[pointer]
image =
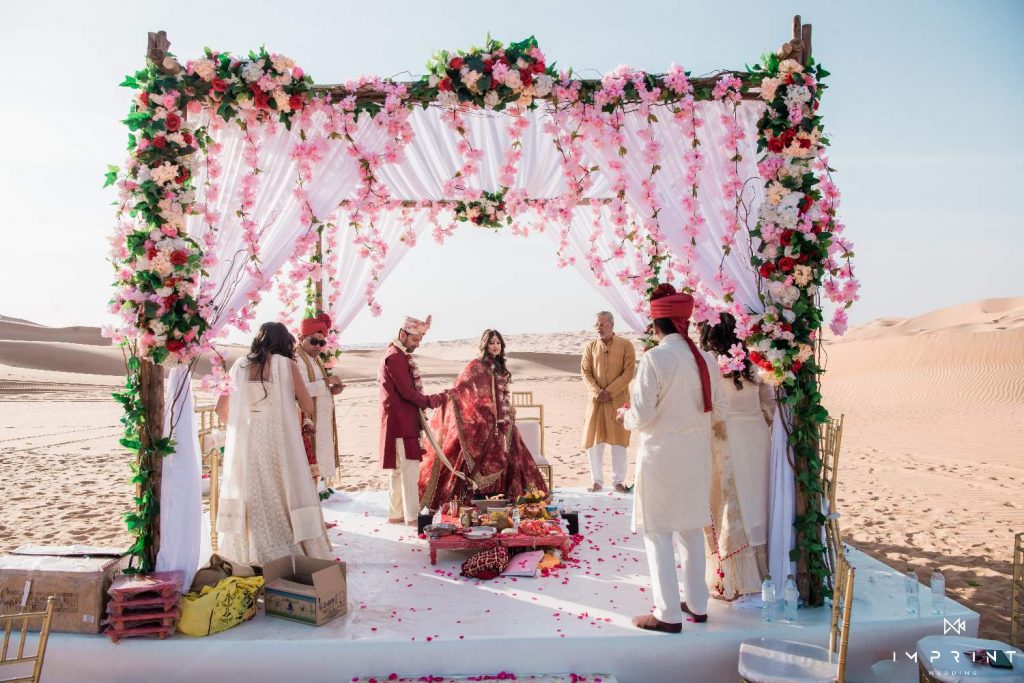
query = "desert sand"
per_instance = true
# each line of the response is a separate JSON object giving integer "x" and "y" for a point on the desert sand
{"x": 931, "y": 472}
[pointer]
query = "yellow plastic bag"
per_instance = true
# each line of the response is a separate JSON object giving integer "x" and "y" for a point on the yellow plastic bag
{"x": 219, "y": 607}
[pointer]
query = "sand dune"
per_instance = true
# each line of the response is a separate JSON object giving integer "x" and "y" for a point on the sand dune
{"x": 987, "y": 315}
{"x": 930, "y": 472}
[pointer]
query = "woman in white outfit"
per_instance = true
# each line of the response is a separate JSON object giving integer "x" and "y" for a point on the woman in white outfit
{"x": 269, "y": 507}
{"x": 739, "y": 490}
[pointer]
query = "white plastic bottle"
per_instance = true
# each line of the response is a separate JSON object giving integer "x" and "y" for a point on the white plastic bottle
{"x": 938, "y": 584}
{"x": 913, "y": 601}
{"x": 768, "y": 600}
{"x": 791, "y": 599}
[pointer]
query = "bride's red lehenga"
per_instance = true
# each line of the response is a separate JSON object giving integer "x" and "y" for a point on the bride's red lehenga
{"x": 476, "y": 432}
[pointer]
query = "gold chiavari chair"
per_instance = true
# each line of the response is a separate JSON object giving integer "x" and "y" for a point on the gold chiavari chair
{"x": 1017, "y": 609}
{"x": 831, "y": 439}
{"x": 524, "y": 400}
{"x": 209, "y": 446}
{"x": 768, "y": 659}
{"x": 19, "y": 662}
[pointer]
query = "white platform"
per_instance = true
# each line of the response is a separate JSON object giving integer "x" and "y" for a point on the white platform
{"x": 410, "y": 618}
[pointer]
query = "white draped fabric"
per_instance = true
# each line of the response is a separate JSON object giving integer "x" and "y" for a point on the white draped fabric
{"x": 430, "y": 160}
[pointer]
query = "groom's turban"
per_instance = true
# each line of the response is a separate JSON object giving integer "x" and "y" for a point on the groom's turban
{"x": 417, "y": 327}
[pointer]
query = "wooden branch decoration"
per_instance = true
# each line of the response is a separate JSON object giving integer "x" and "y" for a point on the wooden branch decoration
{"x": 156, "y": 52}
{"x": 806, "y": 37}
{"x": 795, "y": 48}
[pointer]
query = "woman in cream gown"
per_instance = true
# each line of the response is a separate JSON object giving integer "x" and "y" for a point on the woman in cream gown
{"x": 268, "y": 507}
{"x": 739, "y": 489}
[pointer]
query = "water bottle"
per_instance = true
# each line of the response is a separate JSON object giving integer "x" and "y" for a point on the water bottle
{"x": 938, "y": 584}
{"x": 516, "y": 516}
{"x": 790, "y": 597}
{"x": 768, "y": 600}
{"x": 437, "y": 517}
{"x": 912, "y": 597}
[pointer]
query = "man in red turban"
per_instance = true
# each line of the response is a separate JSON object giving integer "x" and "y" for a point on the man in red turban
{"x": 320, "y": 430}
{"x": 672, "y": 404}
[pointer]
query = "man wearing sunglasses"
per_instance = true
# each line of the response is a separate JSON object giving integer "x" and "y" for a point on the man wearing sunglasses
{"x": 320, "y": 428}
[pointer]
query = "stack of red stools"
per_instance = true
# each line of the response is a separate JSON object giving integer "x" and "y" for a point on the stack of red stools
{"x": 143, "y": 605}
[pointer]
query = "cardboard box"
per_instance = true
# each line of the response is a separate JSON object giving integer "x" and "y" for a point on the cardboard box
{"x": 305, "y": 589}
{"x": 77, "y": 576}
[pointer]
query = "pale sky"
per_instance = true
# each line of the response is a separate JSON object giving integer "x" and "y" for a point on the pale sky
{"x": 924, "y": 110}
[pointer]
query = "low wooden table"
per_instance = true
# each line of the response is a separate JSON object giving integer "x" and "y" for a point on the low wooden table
{"x": 457, "y": 542}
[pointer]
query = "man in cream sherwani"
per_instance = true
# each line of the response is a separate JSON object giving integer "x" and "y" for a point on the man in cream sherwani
{"x": 673, "y": 402}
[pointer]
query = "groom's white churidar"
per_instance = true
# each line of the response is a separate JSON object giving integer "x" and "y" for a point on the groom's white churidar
{"x": 672, "y": 405}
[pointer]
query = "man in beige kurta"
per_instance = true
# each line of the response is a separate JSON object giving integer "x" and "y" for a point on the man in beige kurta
{"x": 607, "y": 368}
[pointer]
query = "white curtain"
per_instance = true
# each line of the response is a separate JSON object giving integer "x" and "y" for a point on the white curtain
{"x": 669, "y": 185}
{"x": 276, "y": 211}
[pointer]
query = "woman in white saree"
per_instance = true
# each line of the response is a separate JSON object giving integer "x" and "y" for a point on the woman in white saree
{"x": 268, "y": 505}
{"x": 736, "y": 539}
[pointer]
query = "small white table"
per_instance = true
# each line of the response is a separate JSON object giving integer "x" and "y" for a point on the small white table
{"x": 942, "y": 659}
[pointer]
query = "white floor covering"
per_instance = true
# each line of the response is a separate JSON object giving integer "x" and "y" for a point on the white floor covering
{"x": 411, "y": 618}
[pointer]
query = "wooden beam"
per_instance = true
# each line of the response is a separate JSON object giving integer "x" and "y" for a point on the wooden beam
{"x": 806, "y": 38}
{"x": 151, "y": 380}
{"x": 370, "y": 96}
{"x": 156, "y": 52}
{"x": 318, "y": 291}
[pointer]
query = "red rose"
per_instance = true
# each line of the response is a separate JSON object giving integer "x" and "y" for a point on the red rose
{"x": 785, "y": 327}
{"x": 456, "y": 63}
{"x": 526, "y": 77}
{"x": 159, "y": 142}
{"x": 219, "y": 85}
{"x": 775, "y": 145}
{"x": 766, "y": 269}
{"x": 537, "y": 67}
{"x": 805, "y": 143}
{"x": 488, "y": 66}
{"x": 179, "y": 257}
{"x": 175, "y": 345}
{"x": 172, "y": 122}
{"x": 184, "y": 175}
{"x": 786, "y": 264}
{"x": 144, "y": 97}
{"x": 787, "y": 238}
{"x": 806, "y": 203}
{"x": 169, "y": 301}
{"x": 788, "y": 135}
{"x": 755, "y": 357}
{"x": 295, "y": 102}
{"x": 816, "y": 228}
{"x": 797, "y": 364}
{"x": 187, "y": 137}
{"x": 261, "y": 100}
{"x": 444, "y": 85}
{"x": 151, "y": 253}
{"x": 803, "y": 257}
{"x": 789, "y": 78}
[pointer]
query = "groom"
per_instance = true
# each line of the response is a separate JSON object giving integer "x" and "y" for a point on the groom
{"x": 401, "y": 400}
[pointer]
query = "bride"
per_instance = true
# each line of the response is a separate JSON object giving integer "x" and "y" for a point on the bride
{"x": 476, "y": 433}
{"x": 269, "y": 506}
